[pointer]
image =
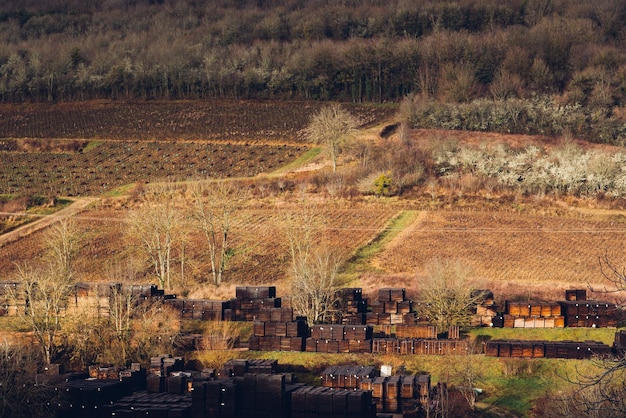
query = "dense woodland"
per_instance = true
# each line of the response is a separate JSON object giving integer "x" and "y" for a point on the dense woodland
{"x": 571, "y": 52}
{"x": 370, "y": 50}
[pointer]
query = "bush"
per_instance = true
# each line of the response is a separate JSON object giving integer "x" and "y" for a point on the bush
{"x": 537, "y": 116}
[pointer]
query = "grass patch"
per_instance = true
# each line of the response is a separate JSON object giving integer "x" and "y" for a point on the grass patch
{"x": 302, "y": 160}
{"x": 604, "y": 335}
{"x": 516, "y": 395}
{"x": 12, "y": 324}
{"x": 91, "y": 145}
{"x": 360, "y": 261}
{"x": 120, "y": 191}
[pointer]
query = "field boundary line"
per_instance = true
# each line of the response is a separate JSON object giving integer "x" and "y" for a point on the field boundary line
{"x": 77, "y": 206}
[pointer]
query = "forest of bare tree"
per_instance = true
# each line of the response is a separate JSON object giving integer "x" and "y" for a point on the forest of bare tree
{"x": 62, "y": 50}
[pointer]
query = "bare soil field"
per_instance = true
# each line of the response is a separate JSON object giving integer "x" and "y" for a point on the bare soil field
{"x": 261, "y": 255}
{"x": 110, "y": 164}
{"x": 522, "y": 254}
{"x": 529, "y": 253}
{"x": 230, "y": 120}
{"x": 80, "y": 149}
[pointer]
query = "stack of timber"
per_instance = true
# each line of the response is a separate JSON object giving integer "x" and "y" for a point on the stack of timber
{"x": 140, "y": 404}
{"x": 547, "y": 349}
{"x": 336, "y": 338}
{"x": 103, "y": 296}
{"x": 163, "y": 365}
{"x": 580, "y": 312}
{"x": 399, "y": 394}
{"x": 486, "y": 309}
{"x": 279, "y": 336}
{"x": 390, "y": 308}
{"x": 86, "y": 397}
{"x": 276, "y": 395}
{"x": 239, "y": 367}
{"x": 620, "y": 342}
{"x": 346, "y": 377}
{"x": 349, "y": 307}
{"x": 574, "y": 311}
{"x": 416, "y": 331}
{"x": 594, "y": 314}
{"x": 419, "y": 346}
{"x": 257, "y": 303}
{"x": 322, "y": 402}
{"x": 198, "y": 309}
{"x": 575, "y": 295}
{"x": 531, "y": 315}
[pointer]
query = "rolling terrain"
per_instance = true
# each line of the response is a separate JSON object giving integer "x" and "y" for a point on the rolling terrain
{"x": 522, "y": 247}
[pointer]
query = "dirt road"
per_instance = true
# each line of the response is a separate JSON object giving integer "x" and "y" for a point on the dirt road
{"x": 79, "y": 204}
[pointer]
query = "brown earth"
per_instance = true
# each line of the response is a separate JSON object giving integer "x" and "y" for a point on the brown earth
{"x": 516, "y": 245}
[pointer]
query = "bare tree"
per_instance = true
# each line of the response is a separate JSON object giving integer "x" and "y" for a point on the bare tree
{"x": 448, "y": 296}
{"x": 332, "y": 126}
{"x": 315, "y": 267}
{"x": 45, "y": 289}
{"x": 467, "y": 372}
{"x": 156, "y": 226}
{"x": 590, "y": 395}
{"x": 613, "y": 274}
{"x": 62, "y": 242}
{"x": 314, "y": 285}
{"x": 214, "y": 211}
{"x": 44, "y": 293}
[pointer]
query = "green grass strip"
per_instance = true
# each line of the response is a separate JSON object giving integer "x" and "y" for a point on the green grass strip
{"x": 603, "y": 335}
{"x": 122, "y": 190}
{"x": 301, "y": 161}
{"x": 360, "y": 261}
{"x": 91, "y": 145}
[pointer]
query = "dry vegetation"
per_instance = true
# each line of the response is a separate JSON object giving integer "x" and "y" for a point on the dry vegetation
{"x": 512, "y": 253}
{"x": 517, "y": 244}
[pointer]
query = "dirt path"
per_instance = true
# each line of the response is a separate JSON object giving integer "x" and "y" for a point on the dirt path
{"x": 79, "y": 204}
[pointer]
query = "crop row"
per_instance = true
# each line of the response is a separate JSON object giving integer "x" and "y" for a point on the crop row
{"x": 555, "y": 250}
{"x": 111, "y": 164}
{"x": 218, "y": 119}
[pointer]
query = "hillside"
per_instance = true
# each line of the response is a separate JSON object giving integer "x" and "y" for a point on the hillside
{"x": 519, "y": 245}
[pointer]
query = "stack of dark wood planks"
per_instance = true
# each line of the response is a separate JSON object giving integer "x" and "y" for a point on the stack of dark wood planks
{"x": 425, "y": 331}
{"x": 391, "y": 307}
{"x": 323, "y": 402}
{"x": 399, "y": 394}
{"x": 586, "y": 313}
{"x": 198, "y": 309}
{"x": 279, "y": 336}
{"x": 419, "y": 346}
{"x": 239, "y": 367}
{"x": 160, "y": 405}
{"x": 337, "y": 338}
{"x": 165, "y": 364}
{"x": 349, "y": 307}
{"x": 346, "y": 377}
{"x": 547, "y": 349}
{"x": 257, "y": 303}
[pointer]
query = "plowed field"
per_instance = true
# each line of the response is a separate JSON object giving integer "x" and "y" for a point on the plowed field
{"x": 257, "y": 236}
{"x": 79, "y": 149}
{"x": 512, "y": 252}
